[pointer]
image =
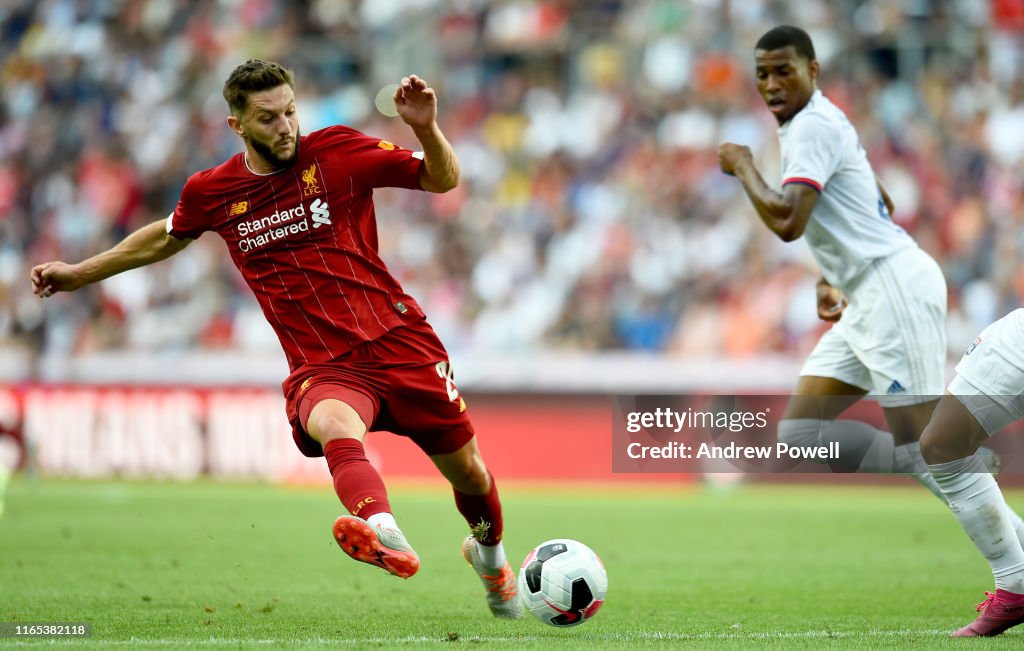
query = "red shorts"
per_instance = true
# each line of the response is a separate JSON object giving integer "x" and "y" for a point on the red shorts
{"x": 401, "y": 383}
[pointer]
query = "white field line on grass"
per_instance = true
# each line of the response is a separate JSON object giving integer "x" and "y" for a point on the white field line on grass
{"x": 605, "y": 637}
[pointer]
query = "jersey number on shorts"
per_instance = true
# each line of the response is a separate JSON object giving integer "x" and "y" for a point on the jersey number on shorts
{"x": 445, "y": 372}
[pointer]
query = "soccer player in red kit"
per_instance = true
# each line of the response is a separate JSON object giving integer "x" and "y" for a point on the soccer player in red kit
{"x": 296, "y": 212}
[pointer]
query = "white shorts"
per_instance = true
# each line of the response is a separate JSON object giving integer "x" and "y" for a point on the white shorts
{"x": 990, "y": 377}
{"x": 891, "y": 339}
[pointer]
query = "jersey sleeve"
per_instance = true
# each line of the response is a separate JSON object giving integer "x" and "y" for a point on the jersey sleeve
{"x": 813, "y": 155}
{"x": 189, "y": 220}
{"x": 381, "y": 164}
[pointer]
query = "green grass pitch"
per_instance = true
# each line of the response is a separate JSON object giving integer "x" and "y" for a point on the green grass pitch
{"x": 212, "y": 566}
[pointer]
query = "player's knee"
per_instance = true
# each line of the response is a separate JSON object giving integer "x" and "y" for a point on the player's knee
{"x": 331, "y": 426}
{"x": 331, "y": 419}
{"x": 937, "y": 446}
{"x": 471, "y": 476}
{"x": 476, "y": 480}
{"x": 800, "y": 432}
{"x": 952, "y": 434}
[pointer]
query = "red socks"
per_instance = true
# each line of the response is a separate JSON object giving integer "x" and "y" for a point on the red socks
{"x": 483, "y": 513}
{"x": 362, "y": 491}
{"x": 357, "y": 483}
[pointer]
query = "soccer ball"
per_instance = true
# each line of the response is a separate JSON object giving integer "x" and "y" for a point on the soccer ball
{"x": 562, "y": 582}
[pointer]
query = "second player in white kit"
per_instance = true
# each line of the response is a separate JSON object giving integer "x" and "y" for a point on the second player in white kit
{"x": 891, "y": 338}
{"x": 886, "y": 296}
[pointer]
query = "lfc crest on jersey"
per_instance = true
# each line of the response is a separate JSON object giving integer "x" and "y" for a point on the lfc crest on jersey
{"x": 312, "y": 183}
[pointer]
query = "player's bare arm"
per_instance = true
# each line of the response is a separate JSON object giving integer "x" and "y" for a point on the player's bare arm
{"x": 417, "y": 105}
{"x": 889, "y": 205}
{"x": 786, "y": 213}
{"x": 149, "y": 244}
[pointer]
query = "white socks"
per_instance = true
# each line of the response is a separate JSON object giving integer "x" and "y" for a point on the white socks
{"x": 867, "y": 449}
{"x": 800, "y": 432}
{"x": 907, "y": 460}
{"x": 383, "y": 520}
{"x": 491, "y": 555}
{"x": 966, "y": 485}
{"x": 979, "y": 507}
{"x": 861, "y": 447}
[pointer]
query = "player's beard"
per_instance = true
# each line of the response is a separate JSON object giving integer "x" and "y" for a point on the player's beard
{"x": 267, "y": 152}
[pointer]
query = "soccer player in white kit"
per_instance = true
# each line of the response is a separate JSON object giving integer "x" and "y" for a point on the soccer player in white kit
{"x": 886, "y": 296}
{"x": 986, "y": 395}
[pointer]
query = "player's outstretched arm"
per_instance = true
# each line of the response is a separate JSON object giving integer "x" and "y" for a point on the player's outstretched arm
{"x": 417, "y": 105}
{"x": 147, "y": 245}
{"x": 785, "y": 214}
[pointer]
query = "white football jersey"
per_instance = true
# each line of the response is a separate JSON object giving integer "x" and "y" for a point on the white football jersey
{"x": 850, "y": 225}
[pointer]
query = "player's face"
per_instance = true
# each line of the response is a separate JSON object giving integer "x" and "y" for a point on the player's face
{"x": 785, "y": 80}
{"x": 271, "y": 125}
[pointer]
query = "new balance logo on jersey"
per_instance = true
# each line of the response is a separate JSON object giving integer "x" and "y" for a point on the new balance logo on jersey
{"x": 895, "y": 388}
{"x": 321, "y": 214}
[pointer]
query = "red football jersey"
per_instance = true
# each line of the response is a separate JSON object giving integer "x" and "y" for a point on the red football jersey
{"x": 305, "y": 239}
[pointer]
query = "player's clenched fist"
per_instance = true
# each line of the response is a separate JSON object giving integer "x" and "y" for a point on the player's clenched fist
{"x": 831, "y": 302}
{"x": 52, "y": 277}
{"x": 731, "y": 156}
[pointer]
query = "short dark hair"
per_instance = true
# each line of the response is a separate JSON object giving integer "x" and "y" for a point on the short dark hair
{"x": 251, "y": 77}
{"x": 785, "y": 36}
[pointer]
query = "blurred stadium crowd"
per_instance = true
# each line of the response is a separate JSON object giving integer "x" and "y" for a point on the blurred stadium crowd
{"x": 591, "y": 216}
